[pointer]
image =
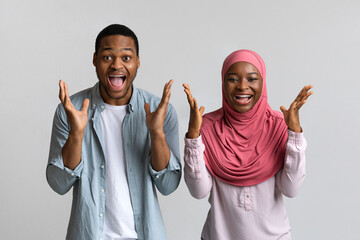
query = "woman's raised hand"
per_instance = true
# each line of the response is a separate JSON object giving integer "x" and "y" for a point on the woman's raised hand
{"x": 291, "y": 115}
{"x": 196, "y": 113}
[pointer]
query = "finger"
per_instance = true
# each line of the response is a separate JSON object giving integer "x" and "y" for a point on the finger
{"x": 61, "y": 91}
{"x": 188, "y": 95}
{"x": 303, "y": 100}
{"x": 147, "y": 109}
{"x": 303, "y": 93}
{"x": 166, "y": 94}
{"x": 85, "y": 105}
{"x": 300, "y": 104}
{"x": 195, "y": 104}
{"x": 283, "y": 109}
{"x": 202, "y": 109}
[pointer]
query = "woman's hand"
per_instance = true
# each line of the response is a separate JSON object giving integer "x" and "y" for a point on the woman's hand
{"x": 195, "y": 114}
{"x": 291, "y": 116}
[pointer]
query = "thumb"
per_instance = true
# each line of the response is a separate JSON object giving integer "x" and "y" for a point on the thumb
{"x": 283, "y": 109}
{"x": 147, "y": 109}
{"x": 202, "y": 109}
{"x": 85, "y": 105}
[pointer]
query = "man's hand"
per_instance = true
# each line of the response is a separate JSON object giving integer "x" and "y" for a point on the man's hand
{"x": 71, "y": 151}
{"x": 77, "y": 119}
{"x": 196, "y": 113}
{"x": 291, "y": 116}
{"x": 155, "y": 120}
{"x": 160, "y": 152}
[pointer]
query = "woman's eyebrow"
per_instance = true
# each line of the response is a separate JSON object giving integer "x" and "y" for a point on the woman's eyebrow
{"x": 253, "y": 73}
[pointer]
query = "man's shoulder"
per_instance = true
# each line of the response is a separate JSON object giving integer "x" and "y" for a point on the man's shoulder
{"x": 141, "y": 93}
{"x": 78, "y": 98}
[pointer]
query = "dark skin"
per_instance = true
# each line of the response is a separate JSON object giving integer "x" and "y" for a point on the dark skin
{"x": 116, "y": 58}
{"x": 244, "y": 72}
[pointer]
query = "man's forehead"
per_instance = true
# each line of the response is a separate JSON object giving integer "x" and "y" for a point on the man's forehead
{"x": 117, "y": 42}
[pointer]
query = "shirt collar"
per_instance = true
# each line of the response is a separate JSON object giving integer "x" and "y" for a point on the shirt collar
{"x": 98, "y": 101}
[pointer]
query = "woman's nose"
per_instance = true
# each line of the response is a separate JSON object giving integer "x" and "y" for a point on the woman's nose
{"x": 243, "y": 84}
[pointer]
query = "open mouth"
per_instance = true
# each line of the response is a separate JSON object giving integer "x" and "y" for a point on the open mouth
{"x": 117, "y": 81}
{"x": 243, "y": 99}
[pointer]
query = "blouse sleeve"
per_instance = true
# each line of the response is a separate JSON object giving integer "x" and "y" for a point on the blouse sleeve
{"x": 290, "y": 178}
{"x": 197, "y": 177}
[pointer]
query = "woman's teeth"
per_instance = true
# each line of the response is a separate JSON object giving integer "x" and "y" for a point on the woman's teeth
{"x": 243, "y": 98}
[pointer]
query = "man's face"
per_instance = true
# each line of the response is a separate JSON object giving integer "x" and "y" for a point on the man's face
{"x": 116, "y": 64}
{"x": 242, "y": 86}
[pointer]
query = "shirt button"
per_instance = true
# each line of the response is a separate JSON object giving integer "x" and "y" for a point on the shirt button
{"x": 102, "y": 166}
{"x": 102, "y": 107}
{"x": 100, "y": 214}
{"x": 102, "y": 190}
{"x": 72, "y": 174}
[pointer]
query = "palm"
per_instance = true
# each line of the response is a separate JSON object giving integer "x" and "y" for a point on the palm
{"x": 195, "y": 114}
{"x": 77, "y": 119}
{"x": 155, "y": 120}
{"x": 291, "y": 115}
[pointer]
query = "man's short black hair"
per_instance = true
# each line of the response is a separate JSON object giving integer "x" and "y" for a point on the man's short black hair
{"x": 116, "y": 29}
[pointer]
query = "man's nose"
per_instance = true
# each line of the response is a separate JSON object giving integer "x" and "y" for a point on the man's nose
{"x": 117, "y": 64}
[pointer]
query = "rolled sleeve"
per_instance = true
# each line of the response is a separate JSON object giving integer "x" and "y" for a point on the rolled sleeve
{"x": 291, "y": 177}
{"x": 59, "y": 177}
{"x": 167, "y": 180}
{"x": 197, "y": 177}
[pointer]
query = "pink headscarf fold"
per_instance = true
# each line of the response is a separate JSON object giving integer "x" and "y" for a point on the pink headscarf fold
{"x": 244, "y": 149}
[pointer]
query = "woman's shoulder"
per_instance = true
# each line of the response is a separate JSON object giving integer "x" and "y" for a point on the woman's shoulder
{"x": 213, "y": 116}
{"x": 275, "y": 114}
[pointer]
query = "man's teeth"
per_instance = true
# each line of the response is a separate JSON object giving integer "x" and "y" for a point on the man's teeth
{"x": 117, "y": 76}
{"x": 117, "y": 80}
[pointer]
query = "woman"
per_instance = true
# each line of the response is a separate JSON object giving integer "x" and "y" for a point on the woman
{"x": 245, "y": 155}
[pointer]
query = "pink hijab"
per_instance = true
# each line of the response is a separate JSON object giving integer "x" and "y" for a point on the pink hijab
{"x": 244, "y": 149}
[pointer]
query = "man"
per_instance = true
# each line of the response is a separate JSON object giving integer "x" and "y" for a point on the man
{"x": 108, "y": 145}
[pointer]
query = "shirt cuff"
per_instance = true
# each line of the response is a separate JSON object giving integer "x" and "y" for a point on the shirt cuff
{"x": 297, "y": 139}
{"x": 58, "y": 162}
{"x": 173, "y": 165}
{"x": 193, "y": 142}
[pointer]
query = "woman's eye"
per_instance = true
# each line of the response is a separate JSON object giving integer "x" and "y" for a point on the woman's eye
{"x": 252, "y": 79}
{"x": 232, "y": 79}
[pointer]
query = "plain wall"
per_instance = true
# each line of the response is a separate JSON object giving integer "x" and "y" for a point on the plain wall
{"x": 301, "y": 42}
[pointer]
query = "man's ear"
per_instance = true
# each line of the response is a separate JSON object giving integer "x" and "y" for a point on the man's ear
{"x": 138, "y": 62}
{"x": 94, "y": 59}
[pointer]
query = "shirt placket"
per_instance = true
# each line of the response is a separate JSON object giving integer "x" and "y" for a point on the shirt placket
{"x": 247, "y": 199}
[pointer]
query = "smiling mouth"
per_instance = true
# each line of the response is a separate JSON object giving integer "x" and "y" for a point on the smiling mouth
{"x": 243, "y": 98}
{"x": 117, "y": 81}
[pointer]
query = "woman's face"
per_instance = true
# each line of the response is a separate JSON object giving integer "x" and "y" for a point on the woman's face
{"x": 243, "y": 86}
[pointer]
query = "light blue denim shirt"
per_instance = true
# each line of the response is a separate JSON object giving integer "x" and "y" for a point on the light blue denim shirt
{"x": 89, "y": 178}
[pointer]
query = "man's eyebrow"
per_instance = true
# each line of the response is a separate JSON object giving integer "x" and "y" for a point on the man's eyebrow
{"x": 122, "y": 49}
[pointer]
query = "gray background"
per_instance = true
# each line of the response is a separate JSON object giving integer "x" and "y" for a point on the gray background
{"x": 301, "y": 42}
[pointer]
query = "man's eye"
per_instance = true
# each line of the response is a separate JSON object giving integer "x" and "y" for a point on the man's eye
{"x": 107, "y": 58}
{"x": 127, "y": 58}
